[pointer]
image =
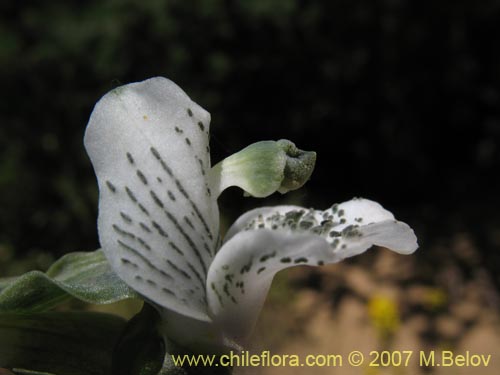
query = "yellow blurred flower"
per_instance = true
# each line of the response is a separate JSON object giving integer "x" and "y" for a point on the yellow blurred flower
{"x": 384, "y": 314}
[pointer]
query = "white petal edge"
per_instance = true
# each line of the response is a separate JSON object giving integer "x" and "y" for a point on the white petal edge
{"x": 158, "y": 223}
{"x": 242, "y": 271}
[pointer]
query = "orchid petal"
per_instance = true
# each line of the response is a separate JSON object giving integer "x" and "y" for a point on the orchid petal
{"x": 158, "y": 220}
{"x": 267, "y": 240}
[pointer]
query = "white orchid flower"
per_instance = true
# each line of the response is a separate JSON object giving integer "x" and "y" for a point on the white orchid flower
{"x": 159, "y": 220}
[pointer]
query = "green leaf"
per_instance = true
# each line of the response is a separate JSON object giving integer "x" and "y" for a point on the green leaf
{"x": 86, "y": 276}
{"x": 140, "y": 350}
{"x": 60, "y": 343}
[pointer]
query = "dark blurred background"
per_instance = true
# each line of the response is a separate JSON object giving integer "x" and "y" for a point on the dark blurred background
{"x": 399, "y": 98}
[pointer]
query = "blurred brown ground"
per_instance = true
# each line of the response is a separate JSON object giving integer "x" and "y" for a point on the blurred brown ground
{"x": 383, "y": 301}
